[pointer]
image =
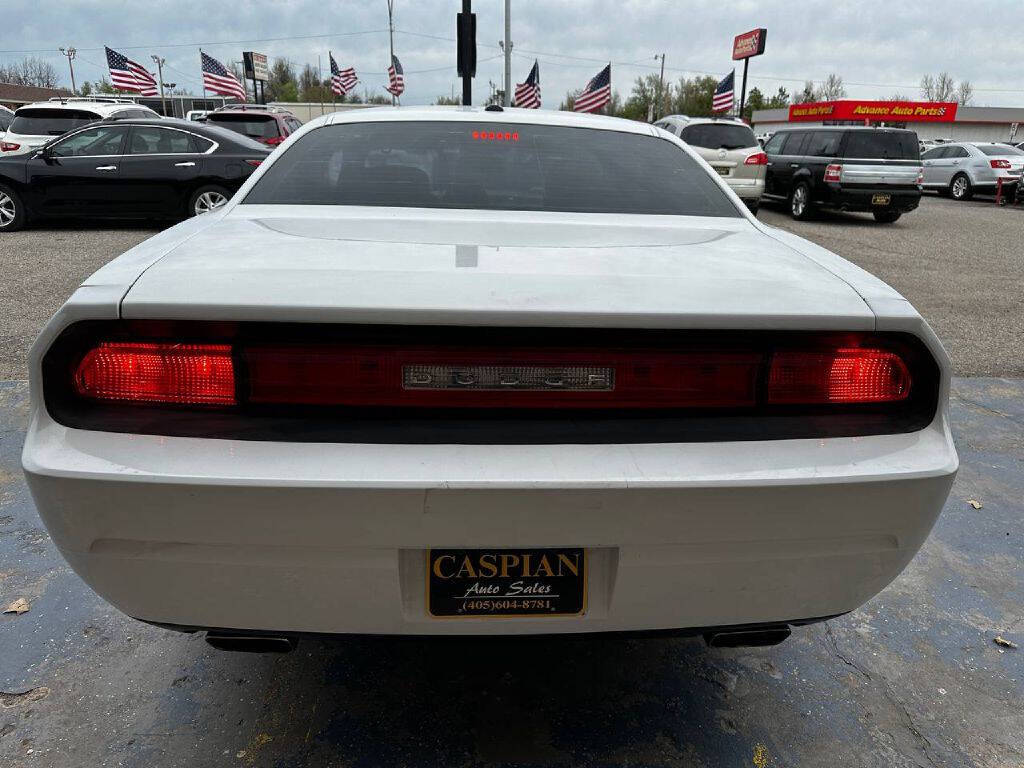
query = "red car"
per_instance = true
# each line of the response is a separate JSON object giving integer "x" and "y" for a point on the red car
{"x": 270, "y": 125}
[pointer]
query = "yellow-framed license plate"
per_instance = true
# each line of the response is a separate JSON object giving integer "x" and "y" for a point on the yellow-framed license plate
{"x": 881, "y": 199}
{"x": 479, "y": 583}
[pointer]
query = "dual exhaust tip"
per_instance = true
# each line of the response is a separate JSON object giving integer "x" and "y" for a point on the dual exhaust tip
{"x": 758, "y": 637}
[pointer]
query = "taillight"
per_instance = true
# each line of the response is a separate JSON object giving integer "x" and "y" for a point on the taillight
{"x": 188, "y": 374}
{"x": 920, "y": 176}
{"x": 758, "y": 158}
{"x": 253, "y": 163}
{"x": 838, "y": 376}
{"x": 999, "y": 163}
{"x": 274, "y": 140}
{"x": 833, "y": 171}
{"x": 8, "y": 146}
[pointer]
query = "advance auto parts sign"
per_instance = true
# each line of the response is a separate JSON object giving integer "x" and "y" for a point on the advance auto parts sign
{"x": 892, "y": 111}
{"x": 749, "y": 44}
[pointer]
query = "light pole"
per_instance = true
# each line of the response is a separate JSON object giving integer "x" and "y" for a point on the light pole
{"x": 70, "y": 52}
{"x": 160, "y": 77}
{"x": 508, "y": 53}
{"x": 661, "y": 85}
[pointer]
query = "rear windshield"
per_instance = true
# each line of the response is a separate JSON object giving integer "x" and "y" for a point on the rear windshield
{"x": 719, "y": 136}
{"x": 49, "y": 122}
{"x": 253, "y": 126}
{"x": 999, "y": 150}
{"x": 490, "y": 167}
{"x": 882, "y": 145}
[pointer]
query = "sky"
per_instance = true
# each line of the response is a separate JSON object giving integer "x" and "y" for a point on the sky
{"x": 879, "y": 47}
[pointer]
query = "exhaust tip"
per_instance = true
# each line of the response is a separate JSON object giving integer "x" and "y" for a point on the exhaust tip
{"x": 251, "y": 643}
{"x": 747, "y": 638}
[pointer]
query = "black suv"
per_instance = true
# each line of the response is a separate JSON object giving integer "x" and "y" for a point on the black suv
{"x": 845, "y": 169}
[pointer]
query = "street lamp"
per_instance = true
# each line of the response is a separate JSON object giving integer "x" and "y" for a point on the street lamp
{"x": 70, "y": 52}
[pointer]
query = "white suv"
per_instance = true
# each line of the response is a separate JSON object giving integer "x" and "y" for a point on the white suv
{"x": 36, "y": 124}
{"x": 729, "y": 147}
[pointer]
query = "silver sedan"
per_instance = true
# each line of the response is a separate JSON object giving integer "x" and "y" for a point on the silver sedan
{"x": 963, "y": 168}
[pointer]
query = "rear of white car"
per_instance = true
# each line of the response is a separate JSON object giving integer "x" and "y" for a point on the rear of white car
{"x": 320, "y": 411}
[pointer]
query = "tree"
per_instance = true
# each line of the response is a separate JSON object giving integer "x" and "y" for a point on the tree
{"x": 779, "y": 100}
{"x": 378, "y": 98}
{"x": 85, "y": 89}
{"x": 643, "y": 99}
{"x": 755, "y": 101}
{"x": 570, "y": 100}
{"x": 282, "y": 85}
{"x": 808, "y": 94}
{"x": 103, "y": 86}
{"x": 448, "y": 101}
{"x": 693, "y": 97}
{"x": 938, "y": 88}
{"x": 898, "y": 97}
{"x": 964, "y": 93}
{"x": 832, "y": 88}
{"x": 30, "y": 71}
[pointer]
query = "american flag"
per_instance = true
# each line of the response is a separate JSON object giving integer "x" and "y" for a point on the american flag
{"x": 597, "y": 92}
{"x": 396, "y": 77}
{"x": 218, "y": 79}
{"x": 528, "y": 93}
{"x": 724, "y": 93}
{"x": 342, "y": 80}
{"x": 127, "y": 75}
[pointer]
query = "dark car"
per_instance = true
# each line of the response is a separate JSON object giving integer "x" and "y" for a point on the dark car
{"x": 130, "y": 169}
{"x": 268, "y": 125}
{"x": 876, "y": 170}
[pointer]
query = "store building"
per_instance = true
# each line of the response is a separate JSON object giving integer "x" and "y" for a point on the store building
{"x": 931, "y": 120}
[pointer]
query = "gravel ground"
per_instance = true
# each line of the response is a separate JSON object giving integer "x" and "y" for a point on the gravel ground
{"x": 961, "y": 264}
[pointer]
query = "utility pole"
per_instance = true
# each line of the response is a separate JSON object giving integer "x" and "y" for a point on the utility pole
{"x": 160, "y": 77}
{"x": 70, "y": 52}
{"x": 661, "y": 87}
{"x": 508, "y": 53}
{"x": 391, "y": 40}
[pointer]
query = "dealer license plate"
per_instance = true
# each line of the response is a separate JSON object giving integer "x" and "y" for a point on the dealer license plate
{"x": 463, "y": 583}
{"x": 723, "y": 170}
{"x": 881, "y": 199}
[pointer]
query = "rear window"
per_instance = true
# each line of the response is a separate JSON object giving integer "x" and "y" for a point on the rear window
{"x": 49, "y": 122}
{"x": 490, "y": 167}
{"x": 882, "y": 145}
{"x": 999, "y": 150}
{"x": 253, "y": 126}
{"x": 719, "y": 136}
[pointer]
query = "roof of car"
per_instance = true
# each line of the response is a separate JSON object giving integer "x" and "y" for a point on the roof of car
{"x": 481, "y": 115}
{"x": 101, "y": 107}
{"x": 843, "y": 128}
{"x": 215, "y": 132}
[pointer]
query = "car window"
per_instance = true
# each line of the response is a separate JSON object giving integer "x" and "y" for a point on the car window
{"x": 957, "y": 152}
{"x": 999, "y": 150}
{"x": 201, "y": 144}
{"x": 150, "y": 140}
{"x": 869, "y": 144}
{"x": 102, "y": 140}
{"x": 293, "y": 124}
{"x": 253, "y": 126}
{"x": 824, "y": 143}
{"x": 718, "y": 136}
{"x": 41, "y": 121}
{"x": 934, "y": 153}
{"x": 774, "y": 144}
{"x": 795, "y": 142}
{"x": 518, "y": 167}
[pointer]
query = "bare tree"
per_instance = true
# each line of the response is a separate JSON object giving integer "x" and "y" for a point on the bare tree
{"x": 939, "y": 88}
{"x": 807, "y": 94}
{"x": 964, "y": 92}
{"x": 832, "y": 88}
{"x": 30, "y": 71}
{"x": 898, "y": 97}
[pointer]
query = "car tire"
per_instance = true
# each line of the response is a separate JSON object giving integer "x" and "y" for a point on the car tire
{"x": 960, "y": 187}
{"x": 886, "y": 217}
{"x": 207, "y": 198}
{"x": 12, "y": 210}
{"x": 800, "y": 202}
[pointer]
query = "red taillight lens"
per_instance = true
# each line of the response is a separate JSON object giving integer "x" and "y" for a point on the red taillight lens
{"x": 192, "y": 374}
{"x": 254, "y": 163}
{"x": 999, "y": 163}
{"x": 837, "y": 376}
{"x": 920, "y": 175}
{"x": 759, "y": 158}
{"x": 274, "y": 140}
{"x": 8, "y": 146}
{"x": 833, "y": 172}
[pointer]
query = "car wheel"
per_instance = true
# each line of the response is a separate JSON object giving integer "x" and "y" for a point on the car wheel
{"x": 800, "y": 202}
{"x": 886, "y": 217}
{"x": 960, "y": 187}
{"x": 12, "y": 210}
{"x": 206, "y": 199}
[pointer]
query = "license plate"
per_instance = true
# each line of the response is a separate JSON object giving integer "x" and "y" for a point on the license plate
{"x": 464, "y": 583}
{"x": 881, "y": 199}
{"x": 722, "y": 171}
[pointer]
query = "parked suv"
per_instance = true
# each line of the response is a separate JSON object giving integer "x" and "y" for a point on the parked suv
{"x": 876, "y": 170}
{"x": 729, "y": 146}
{"x": 270, "y": 125}
{"x": 36, "y": 124}
{"x": 961, "y": 168}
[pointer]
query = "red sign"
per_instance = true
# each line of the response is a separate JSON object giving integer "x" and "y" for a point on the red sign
{"x": 875, "y": 111}
{"x": 749, "y": 44}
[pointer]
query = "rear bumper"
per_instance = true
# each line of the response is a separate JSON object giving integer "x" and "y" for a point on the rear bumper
{"x": 746, "y": 189}
{"x": 332, "y": 538}
{"x": 859, "y": 199}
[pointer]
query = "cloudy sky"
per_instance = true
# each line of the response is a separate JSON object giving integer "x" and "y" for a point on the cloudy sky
{"x": 880, "y": 47}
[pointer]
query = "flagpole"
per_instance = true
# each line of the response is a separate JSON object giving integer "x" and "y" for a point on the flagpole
{"x": 391, "y": 41}
{"x": 201, "y": 75}
{"x": 320, "y": 83}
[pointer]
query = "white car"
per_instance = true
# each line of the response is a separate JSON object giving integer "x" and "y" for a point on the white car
{"x": 962, "y": 168}
{"x": 461, "y": 372}
{"x": 35, "y": 124}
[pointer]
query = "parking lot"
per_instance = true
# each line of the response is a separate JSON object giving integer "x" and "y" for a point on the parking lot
{"x": 914, "y": 678}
